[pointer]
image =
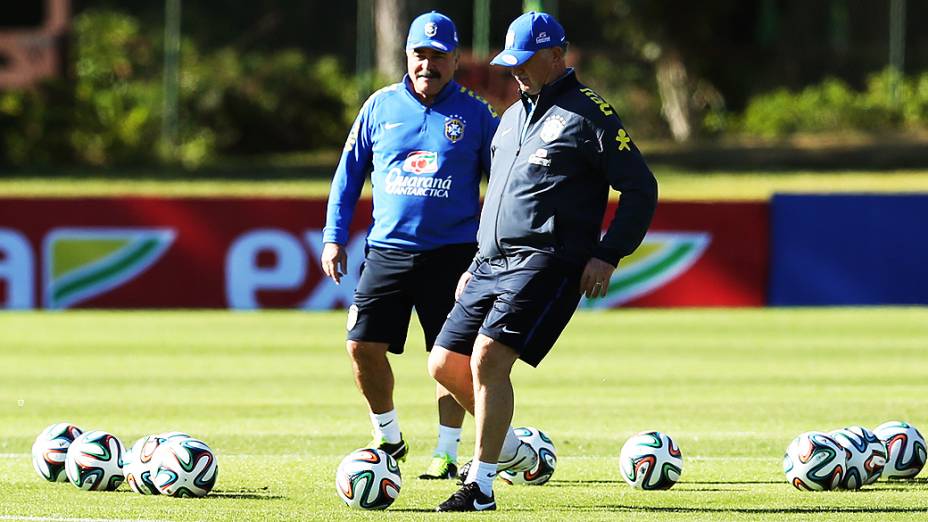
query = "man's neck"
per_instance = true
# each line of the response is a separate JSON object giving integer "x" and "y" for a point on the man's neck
{"x": 555, "y": 75}
{"x": 424, "y": 98}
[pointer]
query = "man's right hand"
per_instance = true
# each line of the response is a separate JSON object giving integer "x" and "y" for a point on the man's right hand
{"x": 334, "y": 261}
{"x": 462, "y": 282}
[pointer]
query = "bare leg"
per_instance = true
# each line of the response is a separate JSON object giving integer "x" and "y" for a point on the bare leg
{"x": 452, "y": 371}
{"x": 372, "y": 374}
{"x": 491, "y": 364}
{"x": 450, "y": 413}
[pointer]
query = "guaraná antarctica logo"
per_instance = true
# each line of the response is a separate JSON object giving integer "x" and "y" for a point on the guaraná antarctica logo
{"x": 82, "y": 263}
{"x": 661, "y": 258}
{"x": 418, "y": 163}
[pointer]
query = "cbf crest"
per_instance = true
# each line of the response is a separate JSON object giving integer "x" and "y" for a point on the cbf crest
{"x": 552, "y": 128}
{"x": 454, "y": 128}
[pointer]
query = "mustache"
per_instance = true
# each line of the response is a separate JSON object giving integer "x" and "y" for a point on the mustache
{"x": 431, "y": 75}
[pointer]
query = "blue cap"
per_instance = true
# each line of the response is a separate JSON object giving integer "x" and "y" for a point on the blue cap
{"x": 433, "y": 30}
{"x": 529, "y": 33}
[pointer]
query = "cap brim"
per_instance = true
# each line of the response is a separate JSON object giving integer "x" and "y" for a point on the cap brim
{"x": 512, "y": 58}
{"x": 431, "y": 44}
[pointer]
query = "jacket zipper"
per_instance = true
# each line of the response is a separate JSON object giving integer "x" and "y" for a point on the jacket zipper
{"x": 499, "y": 204}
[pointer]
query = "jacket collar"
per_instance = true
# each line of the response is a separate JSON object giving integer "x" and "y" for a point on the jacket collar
{"x": 549, "y": 92}
{"x": 443, "y": 94}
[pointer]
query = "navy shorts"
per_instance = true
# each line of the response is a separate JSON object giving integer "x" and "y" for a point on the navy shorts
{"x": 393, "y": 282}
{"x": 523, "y": 302}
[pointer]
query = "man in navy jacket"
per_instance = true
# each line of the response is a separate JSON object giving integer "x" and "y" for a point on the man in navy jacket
{"x": 555, "y": 155}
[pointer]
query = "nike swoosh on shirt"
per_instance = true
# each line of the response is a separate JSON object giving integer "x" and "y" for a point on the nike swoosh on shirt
{"x": 389, "y": 126}
{"x": 508, "y": 331}
{"x": 505, "y": 132}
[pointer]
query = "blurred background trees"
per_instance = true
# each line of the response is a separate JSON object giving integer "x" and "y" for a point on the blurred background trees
{"x": 272, "y": 76}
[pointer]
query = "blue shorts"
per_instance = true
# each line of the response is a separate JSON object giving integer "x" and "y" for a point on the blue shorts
{"x": 522, "y": 301}
{"x": 393, "y": 282}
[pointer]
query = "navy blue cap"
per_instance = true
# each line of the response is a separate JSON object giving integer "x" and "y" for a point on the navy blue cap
{"x": 433, "y": 30}
{"x": 529, "y": 33}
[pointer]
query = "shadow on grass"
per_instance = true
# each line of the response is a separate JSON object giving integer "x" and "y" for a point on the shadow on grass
{"x": 563, "y": 483}
{"x": 747, "y": 510}
{"x": 247, "y": 494}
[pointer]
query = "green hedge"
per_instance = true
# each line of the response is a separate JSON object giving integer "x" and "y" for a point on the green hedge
{"x": 108, "y": 112}
{"x": 833, "y": 106}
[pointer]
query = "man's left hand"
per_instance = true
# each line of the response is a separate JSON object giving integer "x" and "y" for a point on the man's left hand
{"x": 595, "y": 279}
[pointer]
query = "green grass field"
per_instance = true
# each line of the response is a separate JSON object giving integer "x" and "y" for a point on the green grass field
{"x": 272, "y": 394}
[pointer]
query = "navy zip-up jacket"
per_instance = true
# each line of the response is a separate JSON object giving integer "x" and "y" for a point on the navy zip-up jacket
{"x": 550, "y": 175}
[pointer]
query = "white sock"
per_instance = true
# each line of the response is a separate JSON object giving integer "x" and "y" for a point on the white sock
{"x": 483, "y": 474}
{"x": 388, "y": 425}
{"x": 510, "y": 445}
{"x": 448, "y": 439}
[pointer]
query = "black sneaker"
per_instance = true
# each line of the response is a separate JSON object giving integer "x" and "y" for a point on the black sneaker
{"x": 468, "y": 498}
{"x": 396, "y": 450}
{"x": 442, "y": 467}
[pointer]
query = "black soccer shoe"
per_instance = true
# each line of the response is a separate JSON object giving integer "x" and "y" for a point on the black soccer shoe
{"x": 468, "y": 498}
{"x": 397, "y": 450}
{"x": 442, "y": 467}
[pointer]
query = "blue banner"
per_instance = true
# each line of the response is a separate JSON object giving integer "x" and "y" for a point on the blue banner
{"x": 849, "y": 250}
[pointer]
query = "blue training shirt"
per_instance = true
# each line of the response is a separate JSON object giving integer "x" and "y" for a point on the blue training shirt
{"x": 425, "y": 164}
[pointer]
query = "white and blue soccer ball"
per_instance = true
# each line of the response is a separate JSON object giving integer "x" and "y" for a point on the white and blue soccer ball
{"x": 94, "y": 461}
{"x": 50, "y": 449}
{"x": 815, "y": 462}
{"x": 905, "y": 449}
{"x": 651, "y": 460}
{"x": 541, "y": 472}
{"x": 183, "y": 467}
{"x": 865, "y": 454}
{"x": 368, "y": 478}
{"x": 137, "y": 465}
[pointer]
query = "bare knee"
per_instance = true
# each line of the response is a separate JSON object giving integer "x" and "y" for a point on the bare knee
{"x": 491, "y": 359}
{"x": 450, "y": 369}
{"x": 440, "y": 367}
{"x": 363, "y": 351}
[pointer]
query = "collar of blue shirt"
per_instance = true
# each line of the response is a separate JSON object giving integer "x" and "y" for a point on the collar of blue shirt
{"x": 443, "y": 94}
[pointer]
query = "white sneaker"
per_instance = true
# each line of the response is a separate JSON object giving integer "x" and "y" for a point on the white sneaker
{"x": 524, "y": 460}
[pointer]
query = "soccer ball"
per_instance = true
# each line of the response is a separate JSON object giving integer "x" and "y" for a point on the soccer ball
{"x": 651, "y": 460}
{"x": 866, "y": 456}
{"x": 50, "y": 449}
{"x": 94, "y": 461}
{"x": 137, "y": 466}
{"x": 905, "y": 449}
{"x": 368, "y": 479}
{"x": 183, "y": 467}
{"x": 169, "y": 436}
{"x": 547, "y": 459}
{"x": 814, "y": 462}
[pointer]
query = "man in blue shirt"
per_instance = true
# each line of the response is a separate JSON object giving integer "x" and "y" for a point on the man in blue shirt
{"x": 425, "y": 142}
